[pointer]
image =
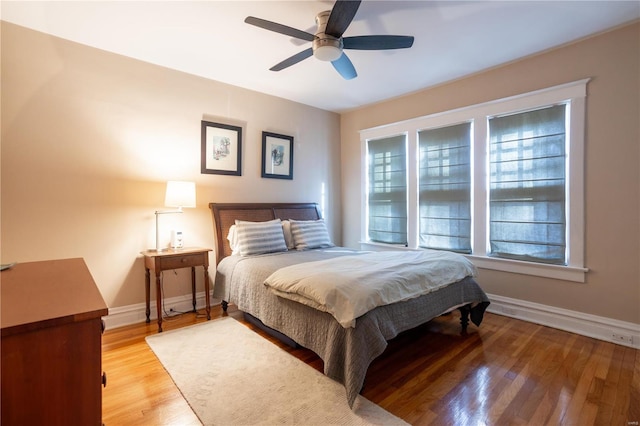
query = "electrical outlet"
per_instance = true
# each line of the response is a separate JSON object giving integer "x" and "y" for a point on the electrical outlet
{"x": 622, "y": 338}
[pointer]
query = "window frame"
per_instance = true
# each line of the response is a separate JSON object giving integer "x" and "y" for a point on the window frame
{"x": 574, "y": 95}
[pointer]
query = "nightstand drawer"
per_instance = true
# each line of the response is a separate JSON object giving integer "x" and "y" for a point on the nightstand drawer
{"x": 184, "y": 261}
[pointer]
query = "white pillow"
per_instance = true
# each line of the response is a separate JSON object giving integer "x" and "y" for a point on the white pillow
{"x": 260, "y": 237}
{"x": 232, "y": 237}
{"x": 288, "y": 238}
{"x": 308, "y": 234}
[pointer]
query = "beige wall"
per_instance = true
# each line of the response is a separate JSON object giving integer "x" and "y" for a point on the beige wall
{"x": 89, "y": 139}
{"x": 612, "y": 182}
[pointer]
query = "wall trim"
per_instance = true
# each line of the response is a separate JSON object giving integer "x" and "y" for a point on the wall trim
{"x": 135, "y": 314}
{"x": 602, "y": 328}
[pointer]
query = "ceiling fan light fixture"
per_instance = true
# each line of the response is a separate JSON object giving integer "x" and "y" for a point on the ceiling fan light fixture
{"x": 327, "y": 53}
{"x": 326, "y": 48}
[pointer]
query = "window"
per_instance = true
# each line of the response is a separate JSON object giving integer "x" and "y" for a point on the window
{"x": 387, "y": 193}
{"x": 527, "y": 186}
{"x": 445, "y": 188}
{"x": 501, "y": 182}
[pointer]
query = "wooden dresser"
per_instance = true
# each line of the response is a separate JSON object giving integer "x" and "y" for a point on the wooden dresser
{"x": 51, "y": 346}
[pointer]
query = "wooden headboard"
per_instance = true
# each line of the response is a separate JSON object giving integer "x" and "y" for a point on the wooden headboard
{"x": 225, "y": 215}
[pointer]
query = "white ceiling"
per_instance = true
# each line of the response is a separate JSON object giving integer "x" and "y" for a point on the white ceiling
{"x": 210, "y": 39}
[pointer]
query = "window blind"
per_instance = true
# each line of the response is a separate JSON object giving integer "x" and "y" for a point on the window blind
{"x": 527, "y": 217}
{"x": 445, "y": 188}
{"x": 387, "y": 190}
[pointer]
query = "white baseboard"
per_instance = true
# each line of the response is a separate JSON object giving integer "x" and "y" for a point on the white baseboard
{"x": 611, "y": 330}
{"x": 135, "y": 314}
{"x": 602, "y": 328}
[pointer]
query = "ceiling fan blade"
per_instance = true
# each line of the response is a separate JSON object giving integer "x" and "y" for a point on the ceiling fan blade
{"x": 293, "y": 60}
{"x": 378, "y": 42}
{"x": 341, "y": 16}
{"x": 279, "y": 28}
{"x": 344, "y": 67}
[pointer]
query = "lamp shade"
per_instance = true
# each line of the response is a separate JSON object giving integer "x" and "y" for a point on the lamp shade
{"x": 180, "y": 194}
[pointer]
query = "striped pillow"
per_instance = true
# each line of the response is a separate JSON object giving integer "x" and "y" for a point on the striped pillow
{"x": 308, "y": 234}
{"x": 260, "y": 237}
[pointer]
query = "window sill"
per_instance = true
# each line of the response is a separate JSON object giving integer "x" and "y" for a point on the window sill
{"x": 567, "y": 273}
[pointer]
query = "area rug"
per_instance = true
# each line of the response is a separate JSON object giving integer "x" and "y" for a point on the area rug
{"x": 230, "y": 375}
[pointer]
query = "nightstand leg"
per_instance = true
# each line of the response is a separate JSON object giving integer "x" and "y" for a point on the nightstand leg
{"x": 159, "y": 301}
{"x": 193, "y": 287}
{"x": 147, "y": 291}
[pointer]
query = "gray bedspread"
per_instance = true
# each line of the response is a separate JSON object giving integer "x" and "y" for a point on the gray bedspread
{"x": 346, "y": 352}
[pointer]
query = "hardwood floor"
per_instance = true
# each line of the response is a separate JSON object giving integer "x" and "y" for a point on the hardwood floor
{"x": 506, "y": 372}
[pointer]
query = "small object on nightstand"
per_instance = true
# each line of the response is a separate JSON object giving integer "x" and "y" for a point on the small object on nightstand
{"x": 175, "y": 259}
{"x": 176, "y": 239}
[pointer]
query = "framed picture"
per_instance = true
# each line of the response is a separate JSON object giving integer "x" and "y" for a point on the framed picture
{"x": 221, "y": 149}
{"x": 277, "y": 156}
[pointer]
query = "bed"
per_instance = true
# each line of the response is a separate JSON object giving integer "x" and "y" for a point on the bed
{"x": 347, "y": 351}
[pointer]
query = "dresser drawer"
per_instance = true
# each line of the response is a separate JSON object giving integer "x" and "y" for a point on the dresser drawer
{"x": 182, "y": 261}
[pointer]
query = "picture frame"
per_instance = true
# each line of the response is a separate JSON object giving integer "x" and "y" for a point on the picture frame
{"x": 221, "y": 150}
{"x": 277, "y": 156}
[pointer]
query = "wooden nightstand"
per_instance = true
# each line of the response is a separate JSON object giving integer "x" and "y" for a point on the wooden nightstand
{"x": 175, "y": 259}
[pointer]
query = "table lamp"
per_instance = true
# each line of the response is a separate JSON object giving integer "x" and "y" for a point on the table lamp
{"x": 179, "y": 194}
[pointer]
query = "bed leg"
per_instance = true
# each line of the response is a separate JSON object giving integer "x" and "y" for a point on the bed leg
{"x": 224, "y": 304}
{"x": 464, "y": 317}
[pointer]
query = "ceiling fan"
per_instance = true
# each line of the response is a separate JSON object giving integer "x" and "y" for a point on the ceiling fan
{"x": 328, "y": 42}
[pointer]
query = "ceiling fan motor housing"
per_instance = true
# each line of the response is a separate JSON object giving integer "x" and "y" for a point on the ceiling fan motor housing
{"x": 326, "y": 47}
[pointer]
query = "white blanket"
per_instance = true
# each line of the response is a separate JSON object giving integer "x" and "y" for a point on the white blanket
{"x": 350, "y": 286}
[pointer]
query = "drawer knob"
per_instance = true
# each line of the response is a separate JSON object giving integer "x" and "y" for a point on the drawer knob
{"x": 104, "y": 379}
